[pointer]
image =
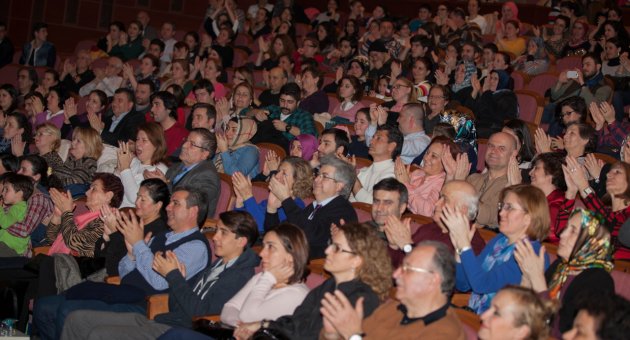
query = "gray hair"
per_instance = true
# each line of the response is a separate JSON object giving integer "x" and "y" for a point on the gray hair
{"x": 344, "y": 173}
{"x": 208, "y": 140}
{"x": 472, "y": 203}
{"x": 443, "y": 262}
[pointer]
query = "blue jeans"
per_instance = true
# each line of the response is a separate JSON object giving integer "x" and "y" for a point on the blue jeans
{"x": 50, "y": 312}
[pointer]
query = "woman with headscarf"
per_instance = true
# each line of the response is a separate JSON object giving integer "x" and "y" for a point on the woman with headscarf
{"x": 235, "y": 152}
{"x": 583, "y": 265}
{"x": 493, "y": 103}
{"x": 535, "y": 60}
{"x": 509, "y": 11}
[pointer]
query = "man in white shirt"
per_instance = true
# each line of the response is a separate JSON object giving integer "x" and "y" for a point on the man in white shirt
{"x": 384, "y": 148}
{"x": 474, "y": 17}
{"x": 107, "y": 80}
{"x": 167, "y": 34}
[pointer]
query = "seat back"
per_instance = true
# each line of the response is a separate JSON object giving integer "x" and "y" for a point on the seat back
{"x": 240, "y": 57}
{"x": 530, "y": 106}
{"x": 260, "y": 190}
{"x": 520, "y": 79}
{"x": 265, "y": 148}
{"x": 362, "y": 163}
{"x": 8, "y": 74}
{"x": 333, "y": 102}
{"x": 568, "y": 63}
{"x": 363, "y": 210}
{"x": 471, "y": 322}
{"x": 225, "y": 195}
{"x": 542, "y": 82}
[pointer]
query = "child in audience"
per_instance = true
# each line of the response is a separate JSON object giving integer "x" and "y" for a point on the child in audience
{"x": 16, "y": 189}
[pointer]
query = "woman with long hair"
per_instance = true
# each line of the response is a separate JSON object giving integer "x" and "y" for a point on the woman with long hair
{"x": 360, "y": 267}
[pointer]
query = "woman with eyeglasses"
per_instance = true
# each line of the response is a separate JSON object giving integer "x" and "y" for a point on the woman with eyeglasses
{"x": 295, "y": 172}
{"x": 583, "y": 266}
{"x": 360, "y": 267}
{"x": 438, "y": 98}
{"x": 403, "y": 92}
{"x": 523, "y": 218}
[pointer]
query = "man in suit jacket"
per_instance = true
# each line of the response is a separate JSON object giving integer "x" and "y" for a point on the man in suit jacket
{"x": 331, "y": 189}
{"x": 195, "y": 169}
{"x": 122, "y": 125}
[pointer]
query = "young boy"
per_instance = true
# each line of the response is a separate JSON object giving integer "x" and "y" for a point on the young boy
{"x": 15, "y": 191}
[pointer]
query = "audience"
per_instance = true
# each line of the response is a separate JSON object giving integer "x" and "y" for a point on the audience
{"x": 412, "y": 92}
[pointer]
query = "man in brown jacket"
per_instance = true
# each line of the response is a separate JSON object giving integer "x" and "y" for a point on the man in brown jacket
{"x": 424, "y": 283}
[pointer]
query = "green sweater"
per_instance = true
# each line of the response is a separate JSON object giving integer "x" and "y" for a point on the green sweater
{"x": 16, "y": 213}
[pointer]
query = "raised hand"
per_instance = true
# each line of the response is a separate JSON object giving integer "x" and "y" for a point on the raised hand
{"x": 279, "y": 187}
{"x": 398, "y": 231}
{"x": 272, "y": 162}
{"x": 542, "y": 141}
{"x": 532, "y": 265}
{"x": 514, "y": 173}
{"x": 166, "y": 262}
{"x": 62, "y": 200}
{"x": 458, "y": 226}
{"x": 463, "y": 166}
{"x": 95, "y": 121}
{"x": 242, "y": 187}
{"x": 576, "y": 173}
{"x": 593, "y": 165}
{"x": 17, "y": 145}
{"x": 597, "y": 115}
{"x": 69, "y": 109}
{"x": 124, "y": 156}
{"x": 402, "y": 171}
{"x": 344, "y": 317}
{"x": 131, "y": 227}
{"x": 608, "y": 112}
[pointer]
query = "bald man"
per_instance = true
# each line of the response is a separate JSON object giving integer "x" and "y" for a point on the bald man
{"x": 455, "y": 194}
{"x": 107, "y": 80}
{"x": 501, "y": 147}
{"x": 277, "y": 78}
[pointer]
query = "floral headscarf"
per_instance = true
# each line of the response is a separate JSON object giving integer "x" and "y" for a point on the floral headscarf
{"x": 593, "y": 249}
{"x": 540, "y": 51}
{"x": 464, "y": 125}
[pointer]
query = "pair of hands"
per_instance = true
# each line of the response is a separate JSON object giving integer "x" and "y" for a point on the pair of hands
{"x": 563, "y": 77}
{"x": 602, "y": 113}
{"x": 128, "y": 224}
{"x": 279, "y": 190}
{"x": 575, "y": 174}
{"x": 544, "y": 143}
{"x": 378, "y": 114}
{"x": 242, "y": 188}
{"x": 272, "y": 162}
{"x": 456, "y": 168}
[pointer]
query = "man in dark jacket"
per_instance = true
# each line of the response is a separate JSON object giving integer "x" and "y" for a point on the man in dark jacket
{"x": 331, "y": 189}
{"x": 203, "y": 295}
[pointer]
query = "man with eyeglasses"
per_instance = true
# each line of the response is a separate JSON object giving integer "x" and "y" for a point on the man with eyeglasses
{"x": 390, "y": 202}
{"x": 281, "y": 124}
{"x": 331, "y": 189}
{"x": 277, "y": 79}
{"x": 196, "y": 168}
{"x": 380, "y": 60}
{"x": 424, "y": 283}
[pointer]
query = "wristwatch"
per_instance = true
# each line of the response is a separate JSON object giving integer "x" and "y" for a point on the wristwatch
{"x": 461, "y": 250}
{"x": 288, "y": 128}
{"x": 587, "y": 191}
{"x": 407, "y": 248}
{"x": 358, "y": 336}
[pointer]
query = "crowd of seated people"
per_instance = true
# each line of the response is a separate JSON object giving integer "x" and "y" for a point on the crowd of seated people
{"x": 359, "y": 175}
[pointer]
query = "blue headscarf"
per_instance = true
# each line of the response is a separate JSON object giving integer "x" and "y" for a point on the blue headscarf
{"x": 469, "y": 70}
{"x": 504, "y": 79}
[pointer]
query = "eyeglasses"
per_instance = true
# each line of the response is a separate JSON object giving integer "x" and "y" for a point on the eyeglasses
{"x": 407, "y": 268}
{"x": 324, "y": 176}
{"x": 193, "y": 144}
{"x": 337, "y": 248}
{"x": 508, "y": 207}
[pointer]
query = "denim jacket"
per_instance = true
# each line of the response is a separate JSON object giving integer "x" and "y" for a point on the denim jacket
{"x": 44, "y": 56}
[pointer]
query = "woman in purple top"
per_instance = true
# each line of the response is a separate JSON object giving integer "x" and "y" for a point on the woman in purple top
{"x": 54, "y": 109}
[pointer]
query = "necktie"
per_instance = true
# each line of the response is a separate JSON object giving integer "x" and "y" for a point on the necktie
{"x": 312, "y": 215}
{"x": 180, "y": 175}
